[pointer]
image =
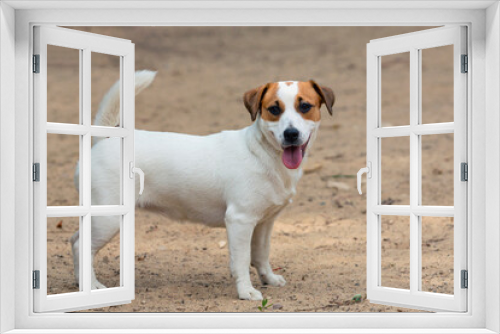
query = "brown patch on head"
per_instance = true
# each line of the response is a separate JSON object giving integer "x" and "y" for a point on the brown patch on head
{"x": 269, "y": 100}
{"x": 326, "y": 94}
{"x": 253, "y": 100}
{"x": 308, "y": 94}
{"x": 288, "y": 83}
{"x": 260, "y": 99}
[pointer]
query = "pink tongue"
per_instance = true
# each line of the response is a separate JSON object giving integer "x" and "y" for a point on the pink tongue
{"x": 292, "y": 157}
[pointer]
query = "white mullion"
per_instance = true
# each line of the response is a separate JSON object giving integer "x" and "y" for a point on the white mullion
{"x": 86, "y": 238}
{"x": 122, "y": 250}
{"x": 80, "y": 166}
{"x": 378, "y": 179}
{"x": 67, "y": 211}
{"x": 392, "y": 210}
{"x": 67, "y": 129}
{"x": 108, "y": 210}
{"x": 102, "y": 131}
{"x": 433, "y": 211}
{"x": 80, "y": 130}
{"x": 127, "y": 237}
{"x": 372, "y": 154}
{"x": 80, "y": 211}
{"x": 433, "y": 129}
{"x": 123, "y": 244}
{"x": 420, "y": 129}
{"x": 414, "y": 169}
{"x": 392, "y": 131}
{"x": 376, "y": 219}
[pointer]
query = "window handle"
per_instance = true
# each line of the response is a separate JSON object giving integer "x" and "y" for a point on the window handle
{"x": 368, "y": 171}
{"x": 136, "y": 170}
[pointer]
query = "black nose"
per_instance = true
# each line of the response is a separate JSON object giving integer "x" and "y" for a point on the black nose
{"x": 291, "y": 135}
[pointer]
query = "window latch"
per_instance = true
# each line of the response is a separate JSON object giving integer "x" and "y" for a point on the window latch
{"x": 134, "y": 170}
{"x": 368, "y": 171}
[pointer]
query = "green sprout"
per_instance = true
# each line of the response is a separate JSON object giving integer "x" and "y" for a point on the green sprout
{"x": 264, "y": 305}
{"x": 357, "y": 298}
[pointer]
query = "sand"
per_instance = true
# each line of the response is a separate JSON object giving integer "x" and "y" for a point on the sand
{"x": 319, "y": 241}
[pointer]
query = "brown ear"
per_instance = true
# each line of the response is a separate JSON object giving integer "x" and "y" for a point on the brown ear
{"x": 326, "y": 93}
{"x": 253, "y": 100}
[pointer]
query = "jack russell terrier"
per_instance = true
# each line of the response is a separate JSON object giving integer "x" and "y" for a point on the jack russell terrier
{"x": 238, "y": 179}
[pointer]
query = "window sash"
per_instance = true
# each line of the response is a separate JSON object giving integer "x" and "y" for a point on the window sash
{"x": 87, "y": 43}
{"x": 413, "y": 43}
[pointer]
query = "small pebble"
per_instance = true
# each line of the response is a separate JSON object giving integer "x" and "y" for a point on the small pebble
{"x": 338, "y": 185}
{"x": 311, "y": 168}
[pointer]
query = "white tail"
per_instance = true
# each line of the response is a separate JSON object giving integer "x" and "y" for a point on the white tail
{"x": 109, "y": 109}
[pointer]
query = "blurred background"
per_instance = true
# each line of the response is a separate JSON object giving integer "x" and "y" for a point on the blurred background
{"x": 319, "y": 241}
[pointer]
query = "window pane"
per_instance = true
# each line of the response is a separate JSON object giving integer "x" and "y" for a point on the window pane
{"x": 395, "y": 90}
{"x": 437, "y": 254}
{"x": 437, "y": 169}
{"x": 63, "y": 85}
{"x": 106, "y": 171}
{"x": 395, "y": 171}
{"x": 107, "y": 261}
{"x": 105, "y": 73}
{"x": 60, "y": 270}
{"x": 437, "y": 84}
{"x": 395, "y": 241}
{"x": 63, "y": 153}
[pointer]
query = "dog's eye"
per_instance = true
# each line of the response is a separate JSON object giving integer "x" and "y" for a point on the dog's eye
{"x": 275, "y": 110}
{"x": 304, "y": 107}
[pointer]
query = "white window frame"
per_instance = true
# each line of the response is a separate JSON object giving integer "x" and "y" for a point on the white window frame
{"x": 483, "y": 21}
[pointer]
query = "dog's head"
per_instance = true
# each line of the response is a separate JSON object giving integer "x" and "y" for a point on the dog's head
{"x": 289, "y": 115}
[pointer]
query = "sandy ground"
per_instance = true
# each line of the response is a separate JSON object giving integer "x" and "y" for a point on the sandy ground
{"x": 319, "y": 241}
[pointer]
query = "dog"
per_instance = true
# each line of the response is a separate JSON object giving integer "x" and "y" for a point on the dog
{"x": 238, "y": 179}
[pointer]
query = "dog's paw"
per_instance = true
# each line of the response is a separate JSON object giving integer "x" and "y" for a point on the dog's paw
{"x": 273, "y": 280}
{"x": 97, "y": 285}
{"x": 249, "y": 293}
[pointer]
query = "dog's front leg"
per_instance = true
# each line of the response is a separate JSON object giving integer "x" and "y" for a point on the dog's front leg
{"x": 239, "y": 236}
{"x": 261, "y": 245}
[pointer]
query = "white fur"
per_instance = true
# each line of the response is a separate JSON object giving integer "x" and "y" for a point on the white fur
{"x": 234, "y": 179}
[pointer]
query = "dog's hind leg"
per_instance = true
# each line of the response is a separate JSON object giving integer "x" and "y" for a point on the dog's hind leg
{"x": 103, "y": 229}
{"x": 261, "y": 245}
{"x": 75, "y": 247}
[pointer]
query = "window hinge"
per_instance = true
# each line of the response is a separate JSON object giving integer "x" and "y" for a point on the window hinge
{"x": 465, "y": 279}
{"x": 464, "y": 171}
{"x": 36, "y": 172}
{"x": 465, "y": 64}
{"x": 36, "y": 279}
{"x": 36, "y": 63}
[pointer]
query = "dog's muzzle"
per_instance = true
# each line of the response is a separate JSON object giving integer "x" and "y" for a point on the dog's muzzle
{"x": 293, "y": 149}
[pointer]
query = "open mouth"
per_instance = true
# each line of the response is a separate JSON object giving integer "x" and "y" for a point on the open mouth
{"x": 292, "y": 155}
